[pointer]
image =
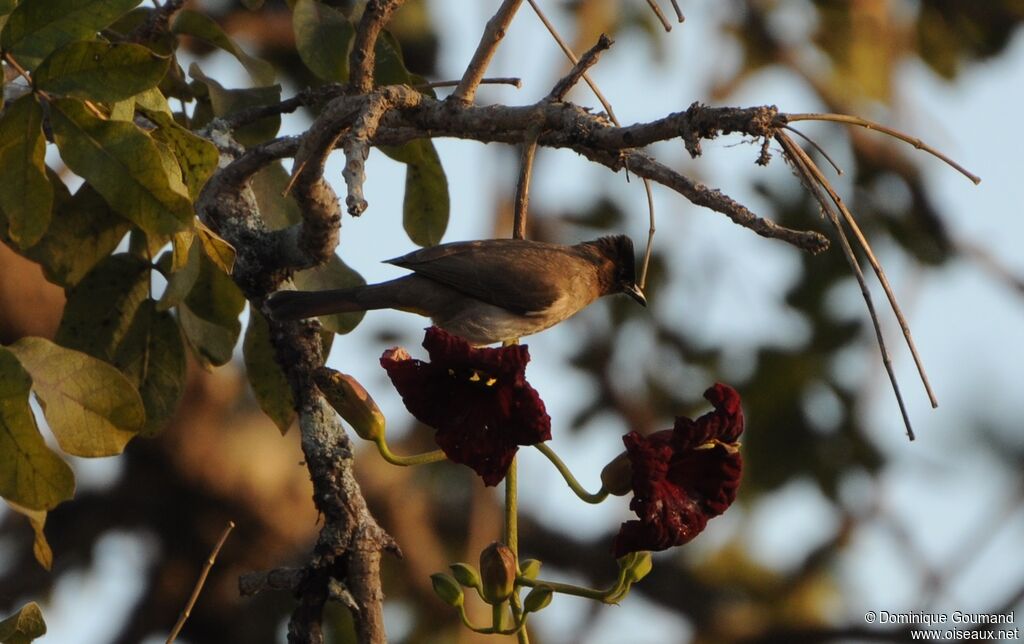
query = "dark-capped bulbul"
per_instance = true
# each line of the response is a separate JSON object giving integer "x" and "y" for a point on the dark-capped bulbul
{"x": 485, "y": 291}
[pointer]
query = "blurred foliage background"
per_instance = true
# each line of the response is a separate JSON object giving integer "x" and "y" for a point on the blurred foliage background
{"x": 819, "y": 475}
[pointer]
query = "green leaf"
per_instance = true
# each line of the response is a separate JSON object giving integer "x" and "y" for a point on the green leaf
{"x": 268, "y": 382}
{"x": 6, "y": 7}
{"x": 278, "y": 209}
{"x": 323, "y": 36}
{"x": 25, "y": 193}
{"x": 389, "y": 68}
{"x": 197, "y": 25}
{"x": 334, "y": 274}
{"x": 40, "y": 546}
{"x": 196, "y": 156}
{"x": 100, "y": 309}
{"x": 31, "y": 474}
{"x": 225, "y": 102}
{"x": 100, "y": 71}
{"x": 209, "y": 315}
{"x": 24, "y": 626}
{"x": 124, "y": 165}
{"x": 182, "y": 271}
{"x": 426, "y": 206}
{"x": 82, "y": 232}
{"x": 91, "y": 407}
{"x": 152, "y": 356}
{"x": 37, "y": 27}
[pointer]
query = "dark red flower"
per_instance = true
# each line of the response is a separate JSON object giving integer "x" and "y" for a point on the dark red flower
{"x": 478, "y": 400}
{"x": 683, "y": 476}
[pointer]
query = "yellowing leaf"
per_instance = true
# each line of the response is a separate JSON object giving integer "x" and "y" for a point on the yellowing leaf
{"x": 100, "y": 71}
{"x": 83, "y": 231}
{"x": 225, "y": 102}
{"x": 426, "y": 205}
{"x": 26, "y": 197}
{"x": 100, "y": 309}
{"x": 124, "y": 165}
{"x": 24, "y": 626}
{"x": 196, "y": 156}
{"x": 268, "y": 382}
{"x": 220, "y": 252}
{"x": 31, "y": 474}
{"x": 197, "y": 25}
{"x": 91, "y": 407}
{"x": 37, "y": 27}
{"x": 182, "y": 272}
{"x": 209, "y": 315}
{"x": 152, "y": 356}
{"x": 40, "y": 546}
{"x": 323, "y": 36}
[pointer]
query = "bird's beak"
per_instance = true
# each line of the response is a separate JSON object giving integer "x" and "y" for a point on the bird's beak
{"x": 634, "y": 292}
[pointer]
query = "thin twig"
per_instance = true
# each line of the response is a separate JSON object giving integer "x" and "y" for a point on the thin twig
{"x": 880, "y": 273}
{"x": 803, "y": 164}
{"x": 611, "y": 115}
{"x": 571, "y": 56}
{"x": 650, "y": 235}
{"x": 586, "y": 61}
{"x": 199, "y": 583}
{"x": 522, "y": 203}
{"x": 515, "y": 82}
{"x": 814, "y": 144}
{"x": 17, "y": 67}
{"x": 661, "y": 16}
{"x": 489, "y": 40}
{"x": 871, "y": 125}
{"x": 679, "y": 12}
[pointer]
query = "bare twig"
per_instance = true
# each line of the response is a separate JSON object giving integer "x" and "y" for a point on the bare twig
{"x": 679, "y": 12}
{"x": 522, "y": 203}
{"x": 571, "y": 56}
{"x": 814, "y": 144}
{"x": 515, "y": 82}
{"x": 804, "y": 165}
{"x": 363, "y": 56}
{"x": 650, "y": 236}
{"x": 278, "y": 579}
{"x": 489, "y": 40}
{"x": 871, "y": 125}
{"x": 661, "y": 16}
{"x": 199, "y": 583}
{"x": 588, "y": 60}
{"x": 879, "y": 272}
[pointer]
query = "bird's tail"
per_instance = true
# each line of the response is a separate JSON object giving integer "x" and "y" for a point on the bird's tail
{"x": 296, "y": 305}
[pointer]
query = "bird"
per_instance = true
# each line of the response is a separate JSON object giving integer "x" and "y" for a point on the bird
{"x": 485, "y": 291}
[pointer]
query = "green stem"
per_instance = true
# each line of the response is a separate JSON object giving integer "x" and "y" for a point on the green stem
{"x": 512, "y": 541}
{"x": 415, "y": 459}
{"x": 571, "y": 589}
{"x": 574, "y": 485}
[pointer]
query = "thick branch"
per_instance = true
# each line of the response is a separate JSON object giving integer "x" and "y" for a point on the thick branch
{"x": 412, "y": 116}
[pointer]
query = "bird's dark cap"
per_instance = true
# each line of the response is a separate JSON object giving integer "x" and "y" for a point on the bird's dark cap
{"x": 619, "y": 249}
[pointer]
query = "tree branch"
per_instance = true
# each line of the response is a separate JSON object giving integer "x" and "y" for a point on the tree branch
{"x": 363, "y": 57}
{"x": 489, "y": 40}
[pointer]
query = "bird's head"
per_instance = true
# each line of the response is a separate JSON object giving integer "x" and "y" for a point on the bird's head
{"x": 617, "y": 250}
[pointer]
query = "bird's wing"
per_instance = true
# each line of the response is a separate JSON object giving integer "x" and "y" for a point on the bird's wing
{"x": 513, "y": 274}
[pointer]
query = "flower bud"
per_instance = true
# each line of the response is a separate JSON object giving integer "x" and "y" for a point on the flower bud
{"x": 352, "y": 402}
{"x": 466, "y": 575}
{"x": 617, "y": 475}
{"x": 640, "y": 567}
{"x": 447, "y": 589}
{"x": 530, "y": 568}
{"x": 498, "y": 570}
{"x": 538, "y": 599}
